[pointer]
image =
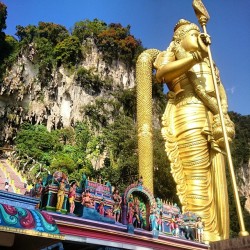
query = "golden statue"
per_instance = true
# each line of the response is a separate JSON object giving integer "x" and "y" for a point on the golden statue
{"x": 196, "y": 127}
{"x": 192, "y": 130}
{"x": 191, "y": 127}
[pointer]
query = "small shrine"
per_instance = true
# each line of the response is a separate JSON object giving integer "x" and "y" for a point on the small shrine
{"x": 136, "y": 208}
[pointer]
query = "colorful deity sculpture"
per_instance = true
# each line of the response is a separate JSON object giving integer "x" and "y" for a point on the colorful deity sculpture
{"x": 60, "y": 195}
{"x": 199, "y": 226}
{"x": 72, "y": 196}
{"x": 117, "y": 206}
{"x": 101, "y": 208}
{"x": 137, "y": 213}
{"x": 38, "y": 188}
{"x": 153, "y": 220}
{"x": 131, "y": 210}
{"x": 87, "y": 199}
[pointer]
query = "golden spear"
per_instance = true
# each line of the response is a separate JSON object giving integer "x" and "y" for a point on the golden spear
{"x": 203, "y": 17}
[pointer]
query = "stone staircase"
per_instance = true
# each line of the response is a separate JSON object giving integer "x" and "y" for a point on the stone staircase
{"x": 2, "y": 179}
{"x": 16, "y": 181}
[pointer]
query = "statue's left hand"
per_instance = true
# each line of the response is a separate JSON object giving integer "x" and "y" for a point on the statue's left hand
{"x": 203, "y": 41}
{"x": 205, "y": 38}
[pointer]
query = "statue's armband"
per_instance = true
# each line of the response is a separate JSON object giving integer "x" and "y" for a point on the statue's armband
{"x": 162, "y": 59}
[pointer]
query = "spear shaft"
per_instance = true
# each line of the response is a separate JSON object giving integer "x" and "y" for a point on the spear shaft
{"x": 203, "y": 17}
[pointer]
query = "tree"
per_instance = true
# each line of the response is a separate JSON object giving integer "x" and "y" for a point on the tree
{"x": 83, "y": 135}
{"x": 116, "y": 43}
{"x": 62, "y": 162}
{"x": 127, "y": 98}
{"x": 88, "y": 29}
{"x": 26, "y": 34}
{"x": 240, "y": 146}
{"x": 91, "y": 82}
{"x": 34, "y": 141}
{"x": 240, "y": 150}
{"x": 120, "y": 141}
{"x": 68, "y": 51}
{"x": 67, "y": 136}
{"x": 3, "y": 16}
{"x": 9, "y": 47}
{"x": 55, "y": 33}
{"x": 45, "y": 59}
{"x": 9, "y": 50}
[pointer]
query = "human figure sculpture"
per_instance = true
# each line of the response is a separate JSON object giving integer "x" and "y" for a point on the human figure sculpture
{"x": 101, "y": 208}
{"x": 38, "y": 188}
{"x": 158, "y": 205}
{"x": 172, "y": 226}
{"x": 192, "y": 130}
{"x": 87, "y": 200}
{"x": 199, "y": 226}
{"x": 108, "y": 184}
{"x": 160, "y": 221}
{"x": 137, "y": 222}
{"x": 176, "y": 222}
{"x": 72, "y": 196}
{"x": 131, "y": 210}
{"x": 109, "y": 213}
{"x": 60, "y": 195}
{"x": 117, "y": 205}
{"x": 153, "y": 220}
{"x": 143, "y": 215}
{"x": 130, "y": 214}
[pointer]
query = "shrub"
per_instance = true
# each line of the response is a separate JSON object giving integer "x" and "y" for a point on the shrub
{"x": 68, "y": 51}
{"x": 91, "y": 83}
{"x": 88, "y": 29}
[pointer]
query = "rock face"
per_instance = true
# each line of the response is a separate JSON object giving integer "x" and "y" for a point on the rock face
{"x": 60, "y": 102}
{"x": 244, "y": 183}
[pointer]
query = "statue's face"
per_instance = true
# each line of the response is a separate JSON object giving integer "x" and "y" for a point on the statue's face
{"x": 189, "y": 42}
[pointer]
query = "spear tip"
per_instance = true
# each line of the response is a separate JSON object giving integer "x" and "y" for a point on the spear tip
{"x": 200, "y": 11}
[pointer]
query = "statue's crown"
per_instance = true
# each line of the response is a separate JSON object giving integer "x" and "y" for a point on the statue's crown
{"x": 180, "y": 23}
{"x": 182, "y": 27}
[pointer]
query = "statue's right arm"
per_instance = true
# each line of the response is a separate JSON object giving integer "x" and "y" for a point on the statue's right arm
{"x": 171, "y": 68}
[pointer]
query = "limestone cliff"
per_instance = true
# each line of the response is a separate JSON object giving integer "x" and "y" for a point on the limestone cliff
{"x": 243, "y": 175}
{"x": 61, "y": 101}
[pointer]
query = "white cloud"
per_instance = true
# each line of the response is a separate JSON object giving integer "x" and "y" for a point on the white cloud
{"x": 231, "y": 90}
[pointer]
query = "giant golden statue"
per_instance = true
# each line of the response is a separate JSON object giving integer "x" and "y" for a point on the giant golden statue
{"x": 191, "y": 125}
{"x": 192, "y": 130}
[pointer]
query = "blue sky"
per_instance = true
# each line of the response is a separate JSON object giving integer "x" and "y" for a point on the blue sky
{"x": 152, "y": 21}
